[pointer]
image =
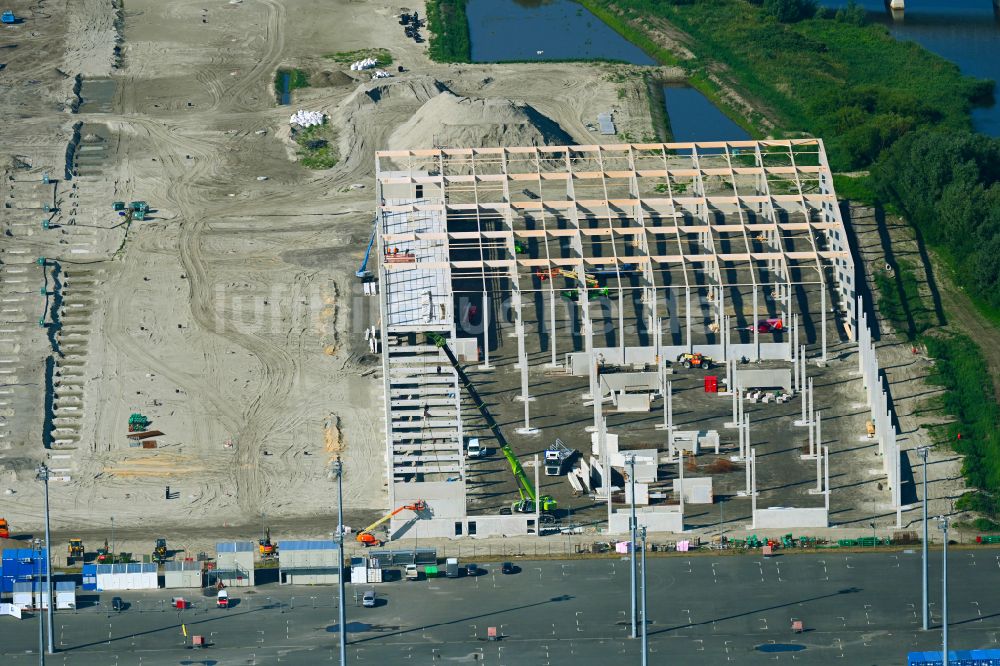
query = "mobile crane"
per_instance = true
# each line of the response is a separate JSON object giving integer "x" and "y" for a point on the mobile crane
{"x": 524, "y": 487}
{"x": 366, "y": 537}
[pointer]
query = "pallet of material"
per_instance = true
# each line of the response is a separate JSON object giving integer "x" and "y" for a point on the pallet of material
{"x": 144, "y": 435}
{"x": 149, "y": 444}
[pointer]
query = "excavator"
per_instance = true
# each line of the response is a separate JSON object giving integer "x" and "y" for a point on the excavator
{"x": 529, "y": 497}
{"x": 366, "y": 537}
{"x": 267, "y": 549}
{"x": 160, "y": 551}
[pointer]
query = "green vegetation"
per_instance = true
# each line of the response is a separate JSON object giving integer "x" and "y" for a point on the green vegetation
{"x": 317, "y": 149}
{"x": 449, "y": 29}
{"x": 298, "y": 78}
{"x": 383, "y": 56}
{"x": 947, "y": 185}
{"x": 899, "y": 301}
{"x": 960, "y": 369}
{"x": 855, "y": 188}
{"x": 813, "y": 75}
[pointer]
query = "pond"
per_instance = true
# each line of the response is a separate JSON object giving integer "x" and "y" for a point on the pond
{"x": 505, "y": 30}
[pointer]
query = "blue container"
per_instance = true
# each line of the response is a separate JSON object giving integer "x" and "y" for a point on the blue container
{"x": 20, "y": 566}
{"x": 956, "y": 658}
{"x": 89, "y": 577}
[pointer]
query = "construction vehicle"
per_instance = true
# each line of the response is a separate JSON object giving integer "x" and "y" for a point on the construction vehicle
{"x": 267, "y": 549}
{"x": 105, "y": 556}
{"x": 75, "y": 549}
{"x": 118, "y": 205}
{"x": 4, "y": 529}
{"x": 363, "y": 271}
{"x": 366, "y": 537}
{"x": 160, "y": 551}
{"x": 8, "y": 18}
{"x": 574, "y": 295}
{"x": 695, "y": 360}
{"x": 556, "y": 457}
{"x": 524, "y": 486}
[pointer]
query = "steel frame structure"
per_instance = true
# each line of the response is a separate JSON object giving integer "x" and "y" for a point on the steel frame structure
{"x": 685, "y": 227}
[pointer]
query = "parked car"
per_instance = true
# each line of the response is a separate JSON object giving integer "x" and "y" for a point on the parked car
{"x": 368, "y": 600}
{"x": 471, "y": 570}
{"x": 117, "y": 604}
{"x": 412, "y": 573}
{"x": 508, "y": 568}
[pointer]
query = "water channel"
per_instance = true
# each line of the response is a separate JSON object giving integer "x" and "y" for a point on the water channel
{"x": 503, "y": 30}
{"x": 966, "y": 32}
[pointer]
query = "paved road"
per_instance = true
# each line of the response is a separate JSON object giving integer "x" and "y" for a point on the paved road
{"x": 858, "y": 610}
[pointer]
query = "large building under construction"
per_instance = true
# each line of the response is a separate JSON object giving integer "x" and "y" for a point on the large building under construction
{"x": 570, "y": 283}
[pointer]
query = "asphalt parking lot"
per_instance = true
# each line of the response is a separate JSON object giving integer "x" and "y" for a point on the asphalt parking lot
{"x": 857, "y": 609}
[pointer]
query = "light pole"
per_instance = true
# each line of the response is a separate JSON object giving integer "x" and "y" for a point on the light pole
{"x": 645, "y": 637}
{"x": 43, "y": 476}
{"x": 923, "y": 454}
{"x": 38, "y": 559}
{"x": 944, "y": 593}
{"x": 631, "y": 479}
{"x": 338, "y": 467}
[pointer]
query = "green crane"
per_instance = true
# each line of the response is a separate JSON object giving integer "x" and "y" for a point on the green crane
{"x": 524, "y": 487}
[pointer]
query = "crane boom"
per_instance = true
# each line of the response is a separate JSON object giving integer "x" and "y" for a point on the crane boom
{"x": 524, "y": 487}
{"x": 365, "y": 535}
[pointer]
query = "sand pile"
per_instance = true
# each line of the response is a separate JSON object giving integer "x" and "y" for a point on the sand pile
{"x": 454, "y": 121}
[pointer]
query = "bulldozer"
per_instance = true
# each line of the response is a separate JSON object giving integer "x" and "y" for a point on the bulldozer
{"x": 160, "y": 551}
{"x": 75, "y": 549}
{"x": 695, "y": 360}
{"x": 268, "y": 551}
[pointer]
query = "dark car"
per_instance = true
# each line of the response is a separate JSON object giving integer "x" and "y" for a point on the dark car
{"x": 117, "y": 604}
{"x": 471, "y": 569}
{"x": 508, "y": 568}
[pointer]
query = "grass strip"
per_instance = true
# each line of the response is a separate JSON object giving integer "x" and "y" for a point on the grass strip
{"x": 449, "y": 28}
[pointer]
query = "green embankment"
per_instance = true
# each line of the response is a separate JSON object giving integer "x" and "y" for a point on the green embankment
{"x": 383, "y": 56}
{"x": 449, "y": 28}
{"x": 852, "y": 84}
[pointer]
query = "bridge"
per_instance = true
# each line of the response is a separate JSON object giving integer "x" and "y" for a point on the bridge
{"x": 900, "y": 5}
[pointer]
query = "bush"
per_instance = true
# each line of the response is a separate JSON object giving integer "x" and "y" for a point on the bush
{"x": 790, "y": 11}
{"x": 947, "y": 184}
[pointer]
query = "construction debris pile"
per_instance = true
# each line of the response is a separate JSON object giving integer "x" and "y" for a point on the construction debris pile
{"x": 380, "y": 74}
{"x": 307, "y": 118}
{"x": 367, "y": 63}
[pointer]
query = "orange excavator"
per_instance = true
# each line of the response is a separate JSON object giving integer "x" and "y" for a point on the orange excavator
{"x": 366, "y": 537}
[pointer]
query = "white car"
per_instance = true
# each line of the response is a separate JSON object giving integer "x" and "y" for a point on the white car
{"x": 368, "y": 600}
{"x": 474, "y": 449}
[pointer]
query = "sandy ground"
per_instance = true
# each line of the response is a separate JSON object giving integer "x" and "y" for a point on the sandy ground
{"x": 231, "y": 318}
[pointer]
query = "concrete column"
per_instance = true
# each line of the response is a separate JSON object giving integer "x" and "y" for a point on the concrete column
{"x": 819, "y": 458}
{"x": 753, "y": 486}
{"x": 554, "y": 363}
{"x": 486, "y": 333}
{"x": 670, "y": 408}
{"x": 522, "y": 360}
{"x": 756, "y": 333}
{"x": 602, "y": 444}
{"x": 680, "y": 468}
{"x": 736, "y": 397}
{"x": 749, "y": 454}
{"x": 621, "y": 322}
{"x": 687, "y": 317}
{"x": 826, "y": 478}
{"x": 822, "y": 328}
